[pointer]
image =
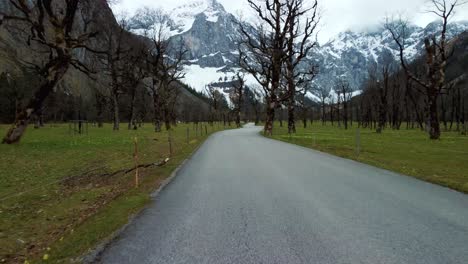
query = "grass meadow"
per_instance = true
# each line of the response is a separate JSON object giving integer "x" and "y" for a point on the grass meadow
{"x": 60, "y": 195}
{"x": 410, "y": 152}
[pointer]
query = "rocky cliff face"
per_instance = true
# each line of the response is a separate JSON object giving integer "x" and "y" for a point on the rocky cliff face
{"x": 204, "y": 27}
{"x": 77, "y": 90}
{"x": 210, "y": 33}
{"x": 17, "y": 55}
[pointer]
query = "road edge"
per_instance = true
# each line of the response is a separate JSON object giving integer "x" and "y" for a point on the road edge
{"x": 94, "y": 254}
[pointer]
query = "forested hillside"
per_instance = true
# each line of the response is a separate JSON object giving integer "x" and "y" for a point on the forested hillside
{"x": 87, "y": 90}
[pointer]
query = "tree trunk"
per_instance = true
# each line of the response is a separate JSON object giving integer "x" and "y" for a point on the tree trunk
{"x": 291, "y": 117}
{"x": 257, "y": 116}
{"x": 458, "y": 108}
{"x": 338, "y": 114}
{"x": 239, "y": 104}
{"x": 56, "y": 72}
{"x": 452, "y": 113}
{"x": 100, "y": 101}
{"x": 419, "y": 116}
{"x": 382, "y": 117}
{"x": 270, "y": 117}
{"x": 132, "y": 124}
{"x": 345, "y": 113}
{"x": 323, "y": 112}
{"x": 444, "y": 113}
{"x": 115, "y": 102}
{"x": 434, "y": 125}
{"x": 167, "y": 118}
{"x": 157, "y": 109}
{"x": 157, "y": 125}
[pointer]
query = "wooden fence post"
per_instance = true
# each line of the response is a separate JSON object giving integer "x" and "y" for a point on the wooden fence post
{"x": 137, "y": 174}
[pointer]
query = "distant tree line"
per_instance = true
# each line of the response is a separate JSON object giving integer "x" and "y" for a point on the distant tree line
{"x": 83, "y": 64}
{"x": 425, "y": 93}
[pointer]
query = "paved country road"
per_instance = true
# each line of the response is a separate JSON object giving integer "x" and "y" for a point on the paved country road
{"x": 243, "y": 198}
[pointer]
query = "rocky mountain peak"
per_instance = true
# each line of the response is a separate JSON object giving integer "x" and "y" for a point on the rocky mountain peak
{"x": 209, "y": 32}
{"x": 187, "y": 13}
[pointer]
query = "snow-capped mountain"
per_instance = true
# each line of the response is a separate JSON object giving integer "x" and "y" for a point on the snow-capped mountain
{"x": 352, "y": 54}
{"x": 206, "y": 29}
{"x": 176, "y": 21}
{"x": 209, "y": 32}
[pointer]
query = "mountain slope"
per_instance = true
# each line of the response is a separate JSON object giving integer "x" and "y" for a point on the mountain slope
{"x": 210, "y": 32}
{"x": 351, "y": 54}
{"x": 76, "y": 90}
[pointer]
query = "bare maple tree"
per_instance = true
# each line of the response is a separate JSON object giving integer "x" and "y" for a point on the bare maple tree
{"x": 133, "y": 78}
{"x": 302, "y": 29}
{"x": 323, "y": 93}
{"x": 344, "y": 92}
{"x": 262, "y": 52}
{"x": 238, "y": 96}
{"x": 166, "y": 64}
{"x": 303, "y": 102}
{"x": 51, "y": 27}
{"x": 436, "y": 53}
{"x": 113, "y": 58}
{"x": 215, "y": 98}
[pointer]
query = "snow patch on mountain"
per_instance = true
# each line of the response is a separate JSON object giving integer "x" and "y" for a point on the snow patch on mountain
{"x": 199, "y": 78}
{"x": 210, "y": 33}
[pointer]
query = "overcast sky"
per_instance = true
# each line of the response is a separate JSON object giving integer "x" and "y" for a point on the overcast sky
{"x": 338, "y": 15}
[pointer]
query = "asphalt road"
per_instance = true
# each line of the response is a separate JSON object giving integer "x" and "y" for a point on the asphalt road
{"x": 243, "y": 198}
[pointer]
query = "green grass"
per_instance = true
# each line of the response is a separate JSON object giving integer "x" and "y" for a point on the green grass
{"x": 54, "y": 199}
{"x": 410, "y": 152}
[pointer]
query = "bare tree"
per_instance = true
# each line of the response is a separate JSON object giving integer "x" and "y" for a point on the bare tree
{"x": 132, "y": 80}
{"x": 262, "y": 52}
{"x": 299, "y": 46}
{"x": 396, "y": 101}
{"x": 172, "y": 70}
{"x": 383, "y": 88}
{"x": 256, "y": 96}
{"x": 166, "y": 64}
{"x": 303, "y": 102}
{"x": 113, "y": 59}
{"x": 100, "y": 104}
{"x": 323, "y": 94}
{"x": 238, "y": 96}
{"x": 51, "y": 27}
{"x": 344, "y": 96}
{"x": 215, "y": 100}
{"x": 436, "y": 59}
